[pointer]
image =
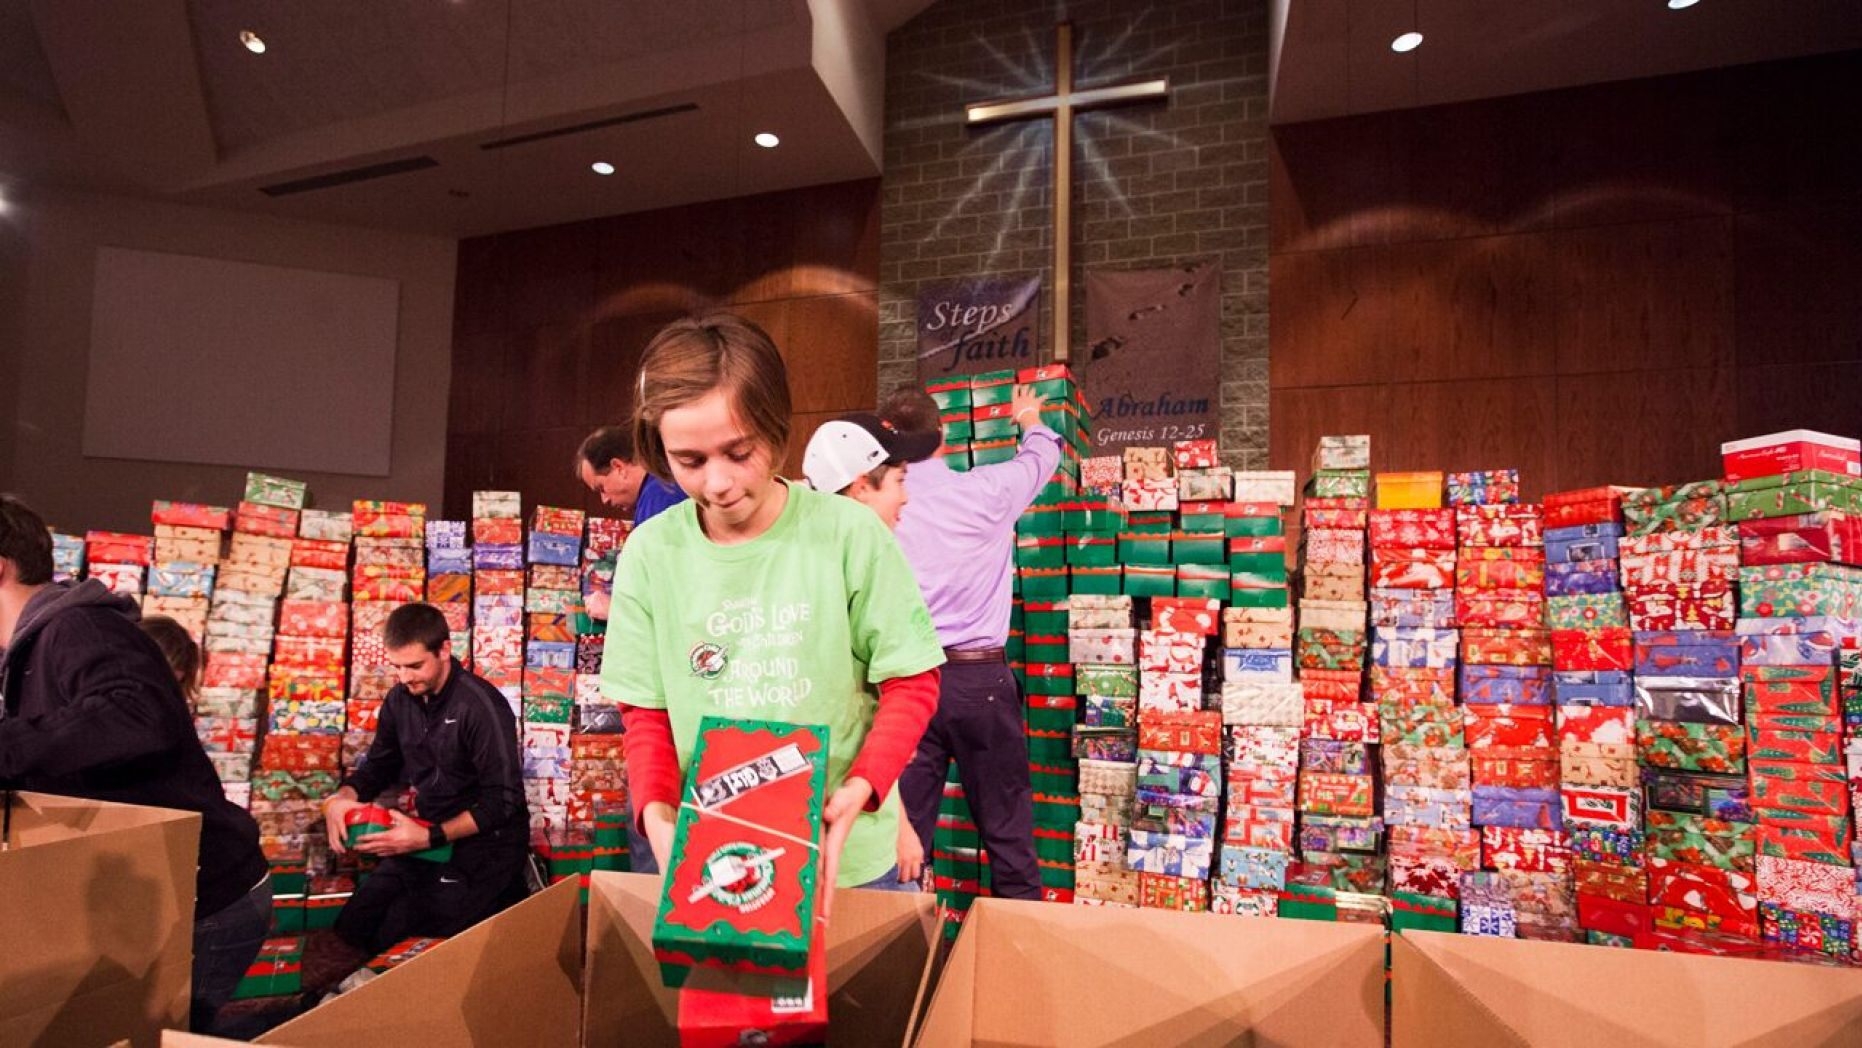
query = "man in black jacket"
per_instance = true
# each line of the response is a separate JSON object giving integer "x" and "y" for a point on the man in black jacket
{"x": 452, "y": 736}
{"x": 89, "y": 708}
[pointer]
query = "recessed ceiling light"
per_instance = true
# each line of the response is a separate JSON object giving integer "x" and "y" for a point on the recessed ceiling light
{"x": 252, "y": 41}
{"x": 767, "y": 140}
{"x": 602, "y": 167}
{"x": 1676, "y": 5}
{"x": 1406, "y": 43}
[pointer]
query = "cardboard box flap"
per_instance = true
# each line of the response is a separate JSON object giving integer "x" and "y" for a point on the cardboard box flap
{"x": 879, "y": 945}
{"x": 513, "y": 979}
{"x": 1452, "y": 990}
{"x": 98, "y": 927}
{"x": 1182, "y": 978}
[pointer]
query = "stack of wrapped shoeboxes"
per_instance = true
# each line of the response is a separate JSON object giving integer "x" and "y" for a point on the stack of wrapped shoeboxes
{"x": 1678, "y": 563}
{"x": 1796, "y": 501}
{"x": 389, "y": 571}
{"x": 552, "y": 599}
{"x": 1262, "y": 709}
{"x": 598, "y": 769}
{"x": 1173, "y": 829}
{"x": 449, "y": 579}
{"x": 976, "y": 411}
{"x": 498, "y": 592}
{"x": 188, "y": 541}
{"x": 1414, "y": 653}
{"x": 1103, "y": 647}
{"x": 1511, "y": 720}
{"x": 1592, "y": 654}
{"x": 1339, "y": 832}
{"x": 241, "y": 629}
{"x": 119, "y": 561}
{"x": 595, "y": 714}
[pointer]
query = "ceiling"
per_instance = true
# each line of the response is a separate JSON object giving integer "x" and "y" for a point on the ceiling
{"x": 1332, "y": 57}
{"x": 160, "y": 98}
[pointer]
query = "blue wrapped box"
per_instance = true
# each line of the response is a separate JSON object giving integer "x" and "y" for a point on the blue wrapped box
{"x": 1587, "y": 578}
{"x": 447, "y": 534}
{"x": 1687, "y": 653}
{"x": 561, "y": 550}
{"x": 449, "y": 560}
{"x": 1517, "y": 807}
{"x": 1173, "y": 854}
{"x": 1581, "y": 543}
{"x": 1253, "y": 869}
{"x": 181, "y": 579}
{"x": 1412, "y": 609}
{"x": 496, "y": 557}
{"x": 550, "y": 655}
{"x": 1241, "y": 663}
{"x": 1184, "y": 774}
{"x": 1338, "y": 756}
{"x": 1511, "y": 685}
{"x": 1339, "y": 833}
{"x": 1412, "y": 648}
{"x": 1595, "y": 693}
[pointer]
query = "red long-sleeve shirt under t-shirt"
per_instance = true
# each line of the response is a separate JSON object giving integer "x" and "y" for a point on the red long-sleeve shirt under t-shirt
{"x": 906, "y": 705}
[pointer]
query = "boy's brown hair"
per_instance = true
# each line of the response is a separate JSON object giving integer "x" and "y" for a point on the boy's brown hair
{"x": 688, "y": 359}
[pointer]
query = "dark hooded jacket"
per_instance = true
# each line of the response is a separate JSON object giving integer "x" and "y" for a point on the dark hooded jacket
{"x": 92, "y": 710}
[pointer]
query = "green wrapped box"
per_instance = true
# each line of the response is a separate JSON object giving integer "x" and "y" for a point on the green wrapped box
{"x": 992, "y": 387}
{"x": 1105, "y": 582}
{"x": 1057, "y": 815}
{"x": 1150, "y": 581}
{"x": 958, "y": 431}
{"x": 288, "y": 913}
{"x": 1014, "y": 647}
{"x": 1060, "y": 490}
{"x": 1140, "y": 549}
{"x": 1118, "y": 682}
{"x": 957, "y": 458}
{"x": 1189, "y": 548}
{"x": 1095, "y": 516}
{"x": 1308, "y": 902}
{"x": 267, "y": 490}
{"x": 989, "y": 452}
{"x": 1149, "y": 523}
{"x": 1042, "y": 518}
{"x": 1040, "y": 551}
{"x": 1043, "y": 584}
{"x": 1092, "y": 551}
{"x": 1410, "y": 911}
{"x": 1051, "y": 718}
{"x": 750, "y": 812}
{"x": 1807, "y": 491}
{"x": 1048, "y": 678}
{"x": 1586, "y": 611}
{"x": 1800, "y": 590}
{"x": 1680, "y": 515}
{"x": 950, "y": 394}
{"x": 1054, "y": 782}
{"x": 1049, "y": 751}
{"x": 1339, "y": 484}
{"x": 1197, "y": 583}
{"x": 1205, "y": 522}
{"x": 1270, "y": 565}
{"x": 278, "y": 970}
{"x": 1254, "y": 527}
{"x": 1045, "y": 619}
{"x": 1241, "y": 596}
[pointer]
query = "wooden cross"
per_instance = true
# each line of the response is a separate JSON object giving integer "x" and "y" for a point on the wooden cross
{"x": 1062, "y": 105}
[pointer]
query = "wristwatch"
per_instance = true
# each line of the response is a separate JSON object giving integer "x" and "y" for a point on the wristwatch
{"x": 436, "y": 836}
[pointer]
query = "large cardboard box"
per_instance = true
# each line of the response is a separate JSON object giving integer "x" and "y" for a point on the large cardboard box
{"x": 1039, "y": 974}
{"x": 96, "y": 920}
{"x": 880, "y": 947}
{"x": 515, "y": 979}
{"x": 1450, "y": 990}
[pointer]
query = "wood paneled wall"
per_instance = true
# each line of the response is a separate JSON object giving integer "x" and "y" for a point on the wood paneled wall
{"x": 550, "y": 324}
{"x": 1596, "y": 285}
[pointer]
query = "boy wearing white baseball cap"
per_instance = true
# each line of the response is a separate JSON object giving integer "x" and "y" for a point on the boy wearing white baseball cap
{"x": 863, "y": 457}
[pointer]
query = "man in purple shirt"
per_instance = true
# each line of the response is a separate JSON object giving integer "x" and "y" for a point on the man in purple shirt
{"x": 958, "y": 533}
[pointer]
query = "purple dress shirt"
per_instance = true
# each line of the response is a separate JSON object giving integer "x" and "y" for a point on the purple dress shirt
{"x": 958, "y": 533}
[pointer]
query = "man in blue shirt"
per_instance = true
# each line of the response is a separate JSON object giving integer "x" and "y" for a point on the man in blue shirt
{"x": 606, "y": 464}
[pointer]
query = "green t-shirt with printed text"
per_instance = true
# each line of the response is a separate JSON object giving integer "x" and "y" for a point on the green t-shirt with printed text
{"x": 799, "y": 625}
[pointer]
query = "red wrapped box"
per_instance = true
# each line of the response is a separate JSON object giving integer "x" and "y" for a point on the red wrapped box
{"x": 1611, "y": 648}
{"x": 271, "y": 521}
{"x": 228, "y": 669}
{"x": 1329, "y": 793}
{"x": 115, "y": 547}
{"x": 1335, "y": 519}
{"x": 1182, "y": 732}
{"x": 1413, "y": 528}
{"x": 1702, "y": 889}
{"x": 1707, "y": 569}
{"x": 1412, "y": 568}
{"x": 1597, "y": 725}
{"x": 446, "y": 590}
{"x": 1567, "y": 509}
{"x": 1196, "y": 454}
{"x": 1186, "y": 615}
{"x": 1344, "y": 721}
{"x": 1532, "y": 851}
{"x": 1515, "y": 772}
{"x": 716, "y": 1012}
{"x": 1510, "y": 525}
{"x": 1611, "y": 881}
{"x": 1508, "y": 725}
{"x": 1499, "y": 568}
{"x": 1609, "y": 806}
{"x": 555, "y": 520}
{"x": 497, "y": 531}
{"x": 1500, "y": 609}
{"x": 743, "y": 855}
{"x": 311, "y": 553}
{"x": 1332, "y": 685}
{"x": 1789, "y": 452}
{"x": 498, "y": 583}
{"x": 1413, "y": 686}
{"x": 1158, "y": 891}
{"x": 191, "y": 515}
{"x": 400, "y": 591}
{"x": 309, "y": 618}
{"x": 1506, "y": 647}
{"x": 1827, "y": 537}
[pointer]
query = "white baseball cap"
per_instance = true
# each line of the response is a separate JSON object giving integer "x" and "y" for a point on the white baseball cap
{"x": 848, "y": 448}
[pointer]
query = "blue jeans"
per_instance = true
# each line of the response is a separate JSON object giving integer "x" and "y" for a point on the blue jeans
{"x": 225, "y": 945}
{"x": 640, "y": 858}
{"x": 889, "y": 882}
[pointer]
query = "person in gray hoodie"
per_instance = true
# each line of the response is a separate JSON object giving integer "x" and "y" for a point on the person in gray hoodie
{"x": 89, "y": 708}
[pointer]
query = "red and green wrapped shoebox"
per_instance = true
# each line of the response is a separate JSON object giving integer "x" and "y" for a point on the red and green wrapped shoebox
{"x": 1046, "y": 618}
{"x": 277, "y": 970}
{"x": 1203, "y": 518}
{"x": 957, "y": 428}
{"x": 1051, "y": 713}
{"x": 957, "y": 457}
{"x": 1143, "y": 580}
{"x": 992, "y": 387}
{"x": 1046, "y": 517}
{"x": 288, "y": 913}
{"x": 1043, "y": 584}
{"x": 1145, "y": 550}
{"x": 326, "y": 899}
{"x": 1040, "y": 551}
{"x": 373, "y": 818}
{"x": 1092, "y": 551}
{"x": 1192, "y": 548}
{"x": 1203, "y": 582}
{"x": 401, "y": 953}
{"x": 1150, "y": 523}
{"x": 950, "y": 394}
{"x": 1410, "y": 911}
{"x": 741, "y": 890}
{"x": 1094, "y": 516}
{"x": 290, "y": 874}
{"x": 990, "y": 452}
{"x": 1054, "y": 382}
{"x": 1048, "y": 678}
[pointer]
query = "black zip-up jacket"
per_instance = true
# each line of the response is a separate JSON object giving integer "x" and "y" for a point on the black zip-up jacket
{"x": 458, "y": 749}
{"x": 92, "y": 710}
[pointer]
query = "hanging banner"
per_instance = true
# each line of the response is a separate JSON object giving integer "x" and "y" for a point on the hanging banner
{"x": 1152, "y": 364}
{"x": 968, "y": 327}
